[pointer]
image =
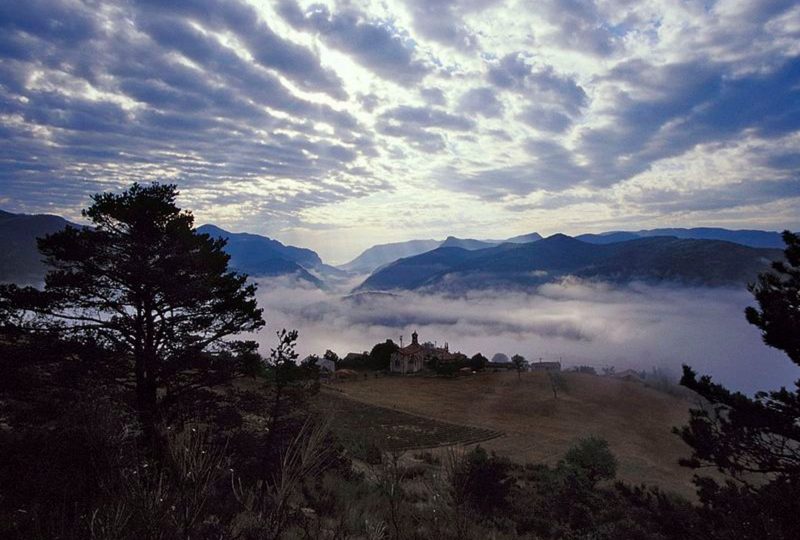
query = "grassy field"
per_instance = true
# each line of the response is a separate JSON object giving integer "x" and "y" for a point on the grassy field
{"x": 390, "y": 430}
{"x": 637, "y": 421}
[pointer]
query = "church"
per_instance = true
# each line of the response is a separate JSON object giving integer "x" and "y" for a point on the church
{"x": 412, "y": 358}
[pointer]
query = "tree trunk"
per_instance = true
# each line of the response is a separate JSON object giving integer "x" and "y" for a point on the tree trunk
{"x": 147, "y": 405}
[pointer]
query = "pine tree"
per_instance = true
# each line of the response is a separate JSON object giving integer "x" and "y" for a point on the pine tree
{"x": 141, "y": 282}
{"x": 754, "y": 442}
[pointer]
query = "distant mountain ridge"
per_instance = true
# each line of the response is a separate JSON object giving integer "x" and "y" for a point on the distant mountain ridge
{"x": 21, "y": 261}
{"x": 752, "y": 238}
{"x": 671, "y": 259}
{"x": 252, "y": 254}
{"x": 696, "y": 255}
{"x": 380, "y": 255}
{"x": 261, "y": 256}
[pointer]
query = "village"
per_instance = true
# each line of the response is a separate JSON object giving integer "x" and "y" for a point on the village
{"x": 419, "y": 358}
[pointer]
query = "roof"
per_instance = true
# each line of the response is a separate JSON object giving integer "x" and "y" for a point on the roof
{"x": 408, "y": 350}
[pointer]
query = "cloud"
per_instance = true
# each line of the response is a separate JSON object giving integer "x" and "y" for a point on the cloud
{"x": 554, "y": 101}
{"x": 753, "y": 192}
{"x": 146, "y": 91}
{"x": 579, "y": 26}
{"x": 679, "y": 106}
{"x": 414, "y": 125}
{"x": 376, "y": 45}
{"x": 433, "y": 96}
{"x": 269, "y": 50}
{"x": 285, "y": 117}
{"x": 513, "y": 72}
{"x": 577, "y": 321}
{"x": 482, "y": 101}
{"x": 443, "y": 21}
{"x": 551, "y": 167}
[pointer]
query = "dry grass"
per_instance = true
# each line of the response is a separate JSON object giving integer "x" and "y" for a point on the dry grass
{"x": 636, "y": 420}
{"x": 391, "y": 430}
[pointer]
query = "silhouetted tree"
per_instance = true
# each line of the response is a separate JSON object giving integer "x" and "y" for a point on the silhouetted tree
{"x": 381, "y": 354}
{"x": 332, "y": 356}
{"x": 478, "y": 362}
{"x": 520, "y": 364}
{"x": 557, "y": 382}
{"x": 144, "y": 284}
{"x": 755, "y": 442}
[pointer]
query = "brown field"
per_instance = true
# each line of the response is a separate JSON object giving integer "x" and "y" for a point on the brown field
{"x": 636, "y": 420}
{"x": 392, "y": 430}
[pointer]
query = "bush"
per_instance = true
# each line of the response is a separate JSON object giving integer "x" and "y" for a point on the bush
{"x": 591, "y": 459}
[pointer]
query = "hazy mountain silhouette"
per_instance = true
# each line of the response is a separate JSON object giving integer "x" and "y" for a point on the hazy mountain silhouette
{"x": 752, "y": 238}
{"x": 380, "y": 255}
{"x": 706, "y": 256}
{"x": 466, "y": 243}
{"x": 521, "y": 239}
{"x": 670, "y": 259}
{"x": 250, "y": 253}
{"x": 21, "y": 261}
{"x": 260, "y": 256}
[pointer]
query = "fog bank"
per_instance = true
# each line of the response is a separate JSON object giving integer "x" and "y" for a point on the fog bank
{"x": 580, "y": 322}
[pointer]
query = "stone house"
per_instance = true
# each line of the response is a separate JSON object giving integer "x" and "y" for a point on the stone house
{"x": 412, "y": 358}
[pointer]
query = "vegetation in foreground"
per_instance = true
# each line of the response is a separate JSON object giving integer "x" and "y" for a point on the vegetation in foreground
{"x": 120, "y": 419}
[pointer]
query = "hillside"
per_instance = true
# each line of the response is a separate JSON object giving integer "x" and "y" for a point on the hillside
{"x": 260, "y": 256}
{"x": 250, "y": 253}
{"x": 21, "y": 261}
{"x": 637, "y": 421}
{"x": 656, "y": 259}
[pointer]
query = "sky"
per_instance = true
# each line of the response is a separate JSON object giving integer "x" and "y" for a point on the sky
{"x": 341, "y": 124}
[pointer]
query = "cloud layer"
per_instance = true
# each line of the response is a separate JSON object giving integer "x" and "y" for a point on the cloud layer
{"x": 343, "y": 123}
{"x": 579, "y": 322}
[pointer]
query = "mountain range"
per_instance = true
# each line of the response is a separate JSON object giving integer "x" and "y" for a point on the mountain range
{"x": 651, "y": 259}
{"x": 255, "y": 255}
{"x": 752, "y": 238}
{"x": 377, "y": 256}
{"x": 707, "y": 256}
{"x": 259, "y": 256}
{"x": 21, "y": 261}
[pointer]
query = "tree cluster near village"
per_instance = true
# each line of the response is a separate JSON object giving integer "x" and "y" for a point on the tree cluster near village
{"x": 129, "y": 409}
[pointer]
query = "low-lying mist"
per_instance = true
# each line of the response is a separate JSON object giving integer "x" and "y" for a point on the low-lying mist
{"x": 579, "y": 322}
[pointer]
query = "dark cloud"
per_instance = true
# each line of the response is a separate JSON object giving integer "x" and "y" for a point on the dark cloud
{"x": 551, "y": 168}
{"x": 442, "y": 20}
{"x": 433, "y": 96}
{"x": 414, "y": 124}
{"x": 733, "y": 195}
{"x": 269, "y": 50}
{"x": 482, "y": 101}
{"x": 376, "y": 45}
{"x": 678, "y": 106}
{"x": 169, "y": 101}
{"x": 53, "y": 20}
{"x": 413, "y": 134}
{"x": 429, "y": 117}
{"x": 540, "y": 83}
{"x": 545, "y": 119}
{"x": 555, "y": 100}
{"x": 580, "y": 25}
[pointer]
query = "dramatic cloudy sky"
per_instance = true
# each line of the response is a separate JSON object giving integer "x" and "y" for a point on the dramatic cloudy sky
{"x": 340, "y": 124}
